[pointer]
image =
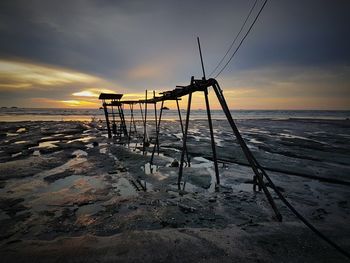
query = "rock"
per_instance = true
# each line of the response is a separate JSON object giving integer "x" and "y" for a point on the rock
{"x": 174, "y": 163}
{"x": 54, "y": 177}
{"x": 122, "y": 169}
{"x": 212, "y": 199}
{"x": 187, "y": 209}
{"x": 12, "y": 205}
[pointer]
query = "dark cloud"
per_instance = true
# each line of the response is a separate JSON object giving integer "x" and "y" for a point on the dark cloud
{"x": 115, "y": 40}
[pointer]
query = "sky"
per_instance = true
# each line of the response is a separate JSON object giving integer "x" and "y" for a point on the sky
{"x": 64, "y": 53}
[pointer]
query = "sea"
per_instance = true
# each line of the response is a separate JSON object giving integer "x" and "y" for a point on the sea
{"x": 64, "y": 114}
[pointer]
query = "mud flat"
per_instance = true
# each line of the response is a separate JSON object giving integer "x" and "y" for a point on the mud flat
{"x": 68, "y": 194}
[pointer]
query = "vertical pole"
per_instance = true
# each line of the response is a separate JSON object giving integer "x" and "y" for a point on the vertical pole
{"x": 182, "y": 130}
{"x": 114, "y": 125}
{"x": 131, "y": 120}
{"x": 160, "y": 118}
{"x": 155, "y": 112}
{"x": 107, "y": 119}
{"x": 145, "y": 127}
{"x": 122, "y": 118}
{"x": 184, "y": 146}
{"x": 212, "y": 137}
{"x": 143, "y": 120}
{"x": 200, "y": 53}
{"x": 156, "y": 144}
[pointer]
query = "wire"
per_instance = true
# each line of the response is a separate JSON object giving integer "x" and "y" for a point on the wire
{"x": 234, "y": 41}
{"x": 246, "y": 34}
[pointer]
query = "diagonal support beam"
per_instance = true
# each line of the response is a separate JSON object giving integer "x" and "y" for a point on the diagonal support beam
{"x": 252, "y": 161}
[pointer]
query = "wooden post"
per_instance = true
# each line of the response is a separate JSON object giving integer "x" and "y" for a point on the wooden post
{"x": 182, "y": 130}
{"x": 184, "y": 140}
{"x": 212, "y": 137}
{"x": 107, "y": 119}
{"x": 156, "y": 144}
{"x": 145, "y": 127}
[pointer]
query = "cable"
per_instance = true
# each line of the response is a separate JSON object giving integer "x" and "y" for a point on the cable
{"x": 250, "y": 28}
{"x": 234, "y": 41}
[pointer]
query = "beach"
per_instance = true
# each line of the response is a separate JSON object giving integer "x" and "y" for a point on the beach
{"x": 70, "y": 194}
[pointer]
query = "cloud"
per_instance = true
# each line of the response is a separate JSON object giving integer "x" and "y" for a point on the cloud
{"x": 79, "y": 103}
{"x": 25, "y": 75}
{"x": 28, "y": 84}
{"x": 72, "y": 50}
{"x": 145, "y": 72}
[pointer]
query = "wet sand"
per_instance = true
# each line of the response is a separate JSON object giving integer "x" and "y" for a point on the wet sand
{"x": 68, "y": 194}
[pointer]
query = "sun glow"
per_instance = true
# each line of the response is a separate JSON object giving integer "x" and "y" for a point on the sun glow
{"x": 91, "y": 93}
{"x": 79, "y": 103}
{"x": 85, "y": 93}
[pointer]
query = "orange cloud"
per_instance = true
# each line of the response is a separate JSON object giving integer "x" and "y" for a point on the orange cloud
{"x": 79, "y": 103}
{"x": 25, "y": 75}
{"x": 91, "y": 93}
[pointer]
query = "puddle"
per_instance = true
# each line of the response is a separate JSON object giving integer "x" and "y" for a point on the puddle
{"x": 125, "y": 188}
{"x": 291, "y": 136}
{"x": 89, "y": 146}
{"x": 103, "y": 150}
{"x": 11, "y": 134}
{"x": 91, "y": 209}
{"x": 74, "y": 183}
{"x": 150, "y": 169}
{"x": 16, "y": 154}
{"x": 255, "y": 141}
{"x": 212, "y": 187}
{"x": 62, "y": 168}
{"x": 36, "y": 153}
{"x": 80, "y": 153}
{"x": 200, "y": 162}
{"x": 21, "y": 142}
{"x": 219, "y": 142}
{"x": 48, "y": 144}
{"x": 47, "y": 138}
{"x": 243, "y": 187}
{"x": 83, "y": 139}
{"x": 188, "y": 187}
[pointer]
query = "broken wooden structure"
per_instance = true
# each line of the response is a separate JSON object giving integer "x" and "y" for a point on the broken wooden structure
{"x": 202, "y": 85}
{"x": 196, "y": 85}
{"x": 117, "y": 113}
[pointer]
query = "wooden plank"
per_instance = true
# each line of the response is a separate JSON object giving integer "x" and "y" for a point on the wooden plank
{"x": 110, "y": 96}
